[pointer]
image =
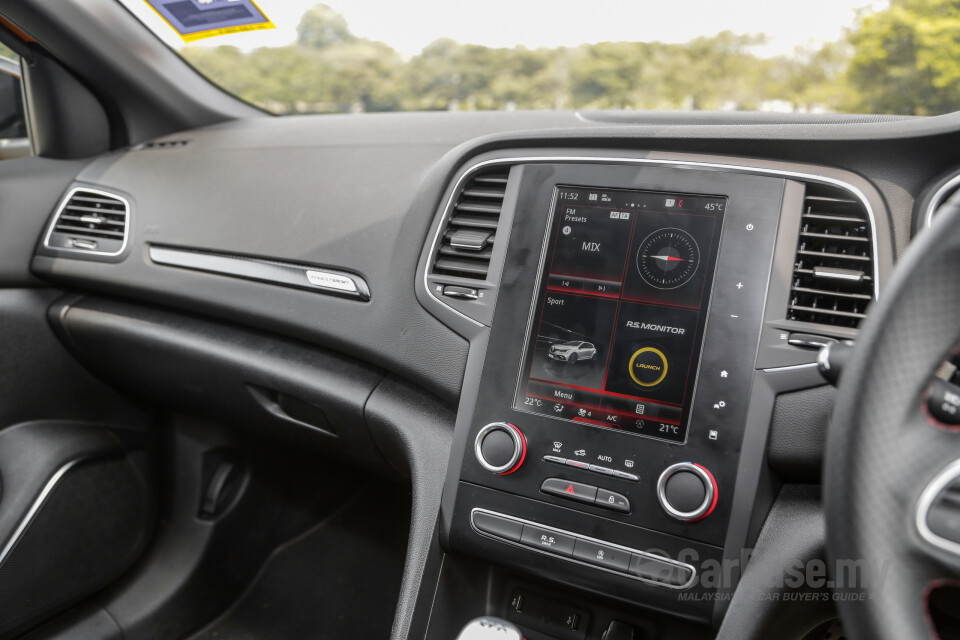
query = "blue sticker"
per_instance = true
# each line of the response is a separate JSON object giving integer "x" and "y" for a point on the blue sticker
{"x": 195, "y": 19}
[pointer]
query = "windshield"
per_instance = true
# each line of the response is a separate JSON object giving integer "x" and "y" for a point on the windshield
{"x": 818, "y": 56}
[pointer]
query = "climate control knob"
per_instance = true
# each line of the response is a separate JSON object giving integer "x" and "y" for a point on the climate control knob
{"x": 500, "y": 448}
{"x": 687, "y": 491}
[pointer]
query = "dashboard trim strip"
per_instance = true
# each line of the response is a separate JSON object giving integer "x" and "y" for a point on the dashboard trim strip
{"x": 310, "y": 278}
{"x": 35, "y": 507}
{"x": 783, "y": 173}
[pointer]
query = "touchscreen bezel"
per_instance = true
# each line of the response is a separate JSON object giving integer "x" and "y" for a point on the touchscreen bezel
{"x": 539, "y": 292}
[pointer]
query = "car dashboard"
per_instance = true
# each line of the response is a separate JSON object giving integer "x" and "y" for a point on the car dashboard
{"x": 611, "y": 323}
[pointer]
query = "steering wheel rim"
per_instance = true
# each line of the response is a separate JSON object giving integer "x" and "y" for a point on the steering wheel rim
{"x": 883, "y": 449}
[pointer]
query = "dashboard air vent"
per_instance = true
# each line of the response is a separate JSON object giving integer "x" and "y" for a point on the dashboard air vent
{"x": 160, "y": 144}
{"x": 467, "y": 241}
{"x": 940, "y": 197}
{"x": 833, "y": 277}
{"x": 90, "y": 221}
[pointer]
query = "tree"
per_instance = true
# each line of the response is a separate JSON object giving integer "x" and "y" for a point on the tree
{"x": 906, "y": 59}
{"x": 322, "y": 27}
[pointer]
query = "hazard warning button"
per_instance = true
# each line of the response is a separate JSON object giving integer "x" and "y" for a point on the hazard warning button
{"x": 570, "y": 490}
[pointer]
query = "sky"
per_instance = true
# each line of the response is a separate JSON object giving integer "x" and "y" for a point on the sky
{"x": 409, "y": 25}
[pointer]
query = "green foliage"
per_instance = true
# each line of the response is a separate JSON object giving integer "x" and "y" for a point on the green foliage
{"x": 902, "y": 60}
{"x": 907, "y": 59}
{"x": 7, "y": 52}
{"x": 322, "y": 27}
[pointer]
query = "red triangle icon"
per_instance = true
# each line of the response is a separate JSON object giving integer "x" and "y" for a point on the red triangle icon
{"x": 569, "y": 489}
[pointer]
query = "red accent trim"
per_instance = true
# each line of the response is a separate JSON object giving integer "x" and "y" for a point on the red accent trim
{"x": 934, "y": 585}
{"x": 924, "y": 400}
{"x": 599, "y": 423}
{"x": 597, "y": 294}
{"x": 523, "y": 451}
{"x": 716, "y": 493}
{"x": 17, "y": 31}
{"x": 607, "y": 393}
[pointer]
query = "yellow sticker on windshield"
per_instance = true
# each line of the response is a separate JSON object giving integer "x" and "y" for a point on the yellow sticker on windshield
{"x": 198, "y": 19}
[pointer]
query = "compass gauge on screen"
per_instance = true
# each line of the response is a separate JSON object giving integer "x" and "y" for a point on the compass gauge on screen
{"x": 668, "y": 258}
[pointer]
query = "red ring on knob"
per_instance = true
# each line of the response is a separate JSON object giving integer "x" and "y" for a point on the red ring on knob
{"x": 523, "y": 451}
{"x": 716, "y": 492}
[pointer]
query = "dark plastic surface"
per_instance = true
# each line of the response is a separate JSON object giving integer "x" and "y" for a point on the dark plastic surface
{"x": 66, "y": 118}
{"x": 498, "y": 526}
{"x": 497, "y": 448}
{"x": 226, "y": 373}
{"x": 196, "y": 567}
{"x": 72, "y": 500}
{"x": 765, "y": 606}
{"x": 31, "y": 187}
{"x": 798, "y": 433}
{"x": 412, "y": 429}
{"x": 685, "y": 491}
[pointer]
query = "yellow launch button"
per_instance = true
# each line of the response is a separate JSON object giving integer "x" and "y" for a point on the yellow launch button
{"x": 648, "y": 367}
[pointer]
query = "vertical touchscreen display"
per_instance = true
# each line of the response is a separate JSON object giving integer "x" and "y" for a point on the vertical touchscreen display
{"x": 616, "y": 329}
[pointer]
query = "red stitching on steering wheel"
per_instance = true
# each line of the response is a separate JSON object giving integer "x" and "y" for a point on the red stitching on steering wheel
{"x": 934, "y": 585}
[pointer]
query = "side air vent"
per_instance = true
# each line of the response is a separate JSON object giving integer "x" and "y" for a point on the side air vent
{"x": 833, "y": 277}
{"x": 160, "y": 144}
{"x": 90, "y": 221}
{"x": 940, "y": 197}
{"x": 467, "y": 242}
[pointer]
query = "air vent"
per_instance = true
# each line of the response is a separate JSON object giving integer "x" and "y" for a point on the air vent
{"x": 90, "y": 221}
{"x": 160, "y": 144}
{"x": 833, "y": 277}
{"x": 467, "y": 242}
{"x": 940, "y": 197}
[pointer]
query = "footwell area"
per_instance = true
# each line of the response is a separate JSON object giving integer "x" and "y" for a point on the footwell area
{"x": 339, "y": 580}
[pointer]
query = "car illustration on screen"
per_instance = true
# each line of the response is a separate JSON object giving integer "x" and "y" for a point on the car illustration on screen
{"x": 572, "y": 351}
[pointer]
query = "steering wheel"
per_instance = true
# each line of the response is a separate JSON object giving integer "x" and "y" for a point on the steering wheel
{"x": 886, "y": 457}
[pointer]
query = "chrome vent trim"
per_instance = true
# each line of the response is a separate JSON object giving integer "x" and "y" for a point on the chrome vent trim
{"x": 470, "y": 231}
{"x": 834, "y": 270}
{"x": 940, "y": 196}
{"x": 90, "y": 221}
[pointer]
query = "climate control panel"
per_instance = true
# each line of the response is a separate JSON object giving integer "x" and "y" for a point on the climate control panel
{"x": 686, "y": 491}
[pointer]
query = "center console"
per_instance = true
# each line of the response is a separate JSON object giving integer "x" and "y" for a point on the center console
{"x": 614, "y": 414}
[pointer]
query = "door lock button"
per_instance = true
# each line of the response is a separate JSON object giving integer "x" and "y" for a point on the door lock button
{"x": 613, "y": 501}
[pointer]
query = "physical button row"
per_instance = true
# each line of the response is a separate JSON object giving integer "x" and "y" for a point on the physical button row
{"x": 595, "y": 468}
{"x": 586, "y": 493}
{"x": 636, "y": 564}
